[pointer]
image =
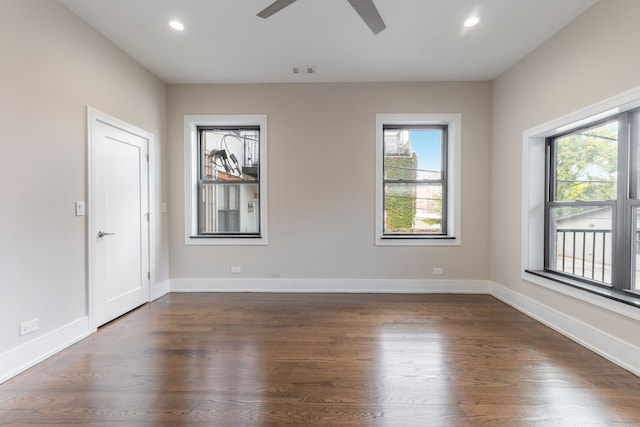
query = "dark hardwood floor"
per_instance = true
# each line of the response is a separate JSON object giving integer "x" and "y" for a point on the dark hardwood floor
{"x": 325, "y": 360}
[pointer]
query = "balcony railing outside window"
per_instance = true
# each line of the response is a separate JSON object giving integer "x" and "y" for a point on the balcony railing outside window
{"x": 584, "y": 253}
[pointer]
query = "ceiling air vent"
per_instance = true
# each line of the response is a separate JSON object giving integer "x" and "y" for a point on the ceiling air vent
{"x": 303, "y": 69}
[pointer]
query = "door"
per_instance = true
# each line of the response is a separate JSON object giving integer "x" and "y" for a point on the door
{"x": 119, "y": 218}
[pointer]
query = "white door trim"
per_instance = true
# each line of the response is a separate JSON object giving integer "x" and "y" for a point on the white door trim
{"x": 94, "y": 116}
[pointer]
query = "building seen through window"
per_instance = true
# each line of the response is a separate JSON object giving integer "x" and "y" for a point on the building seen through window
{"x": 229, "y": 181}
{"x": 414, "y": 180}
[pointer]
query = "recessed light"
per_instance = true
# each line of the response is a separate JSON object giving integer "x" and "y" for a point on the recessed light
{"x": 471, "y": 21}
{"x": 176, "y": 25}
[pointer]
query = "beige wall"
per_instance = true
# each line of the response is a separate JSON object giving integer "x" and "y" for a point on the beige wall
{"x": 53, "y": 67}
{"x": 322, "y": 180}
{"x": 592, "y": 59}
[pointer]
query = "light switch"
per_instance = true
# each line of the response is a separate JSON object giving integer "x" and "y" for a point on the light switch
{"x": 80, "y": 208}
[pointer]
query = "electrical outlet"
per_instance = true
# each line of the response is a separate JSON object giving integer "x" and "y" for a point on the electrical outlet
{"x": 438, "y": 270}
{"x": 236, "y": 270}
{"x": 30, "y": 326}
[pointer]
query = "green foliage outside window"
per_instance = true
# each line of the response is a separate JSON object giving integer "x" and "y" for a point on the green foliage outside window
{"x": 400, "y": 200}
{"x": 587, "y": 165}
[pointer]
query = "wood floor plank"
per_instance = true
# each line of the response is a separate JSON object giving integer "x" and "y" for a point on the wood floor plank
{"x": 325, "y": 360}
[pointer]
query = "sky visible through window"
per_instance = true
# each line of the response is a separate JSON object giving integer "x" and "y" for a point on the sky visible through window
{"x": 426, "y": 143}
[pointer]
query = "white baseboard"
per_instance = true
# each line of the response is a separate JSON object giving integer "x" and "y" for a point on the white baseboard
{"x": 617, "y": 351}
{"x": 21, "y": 358}
{"x": 330, "y": 285}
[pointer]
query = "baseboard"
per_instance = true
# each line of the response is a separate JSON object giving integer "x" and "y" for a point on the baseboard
{"x": 23, "y": 357}
{"x": 330, "y": 285}
{"x": 615, "y": 350}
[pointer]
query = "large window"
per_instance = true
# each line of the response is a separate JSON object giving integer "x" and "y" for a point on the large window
{"x": 226, "y": 170}
{"x": 581, "y": 202}
{"x": 418, "y": 171}
{"x": 592, "y": 201}
{"x": 583, "y": 175}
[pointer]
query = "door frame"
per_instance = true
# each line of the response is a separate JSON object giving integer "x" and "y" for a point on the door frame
{"x": 95, "y": 116}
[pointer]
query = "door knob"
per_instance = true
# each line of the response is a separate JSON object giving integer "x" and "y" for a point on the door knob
{"x": 101, "y": 234}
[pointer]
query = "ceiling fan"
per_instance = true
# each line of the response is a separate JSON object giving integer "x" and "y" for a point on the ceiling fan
{"x": 365, "y": 8}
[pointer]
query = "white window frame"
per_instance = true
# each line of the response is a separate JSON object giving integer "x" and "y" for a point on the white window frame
{"x": 191, "y": 124}
{"x": 533, "y": 201}
{"x": 454, "y": 144}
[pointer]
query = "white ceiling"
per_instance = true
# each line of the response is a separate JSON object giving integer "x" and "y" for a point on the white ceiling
{"x": 225, "y": 42}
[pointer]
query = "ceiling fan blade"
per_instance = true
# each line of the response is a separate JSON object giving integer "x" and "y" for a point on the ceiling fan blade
{"x": 274, "y": 7}
{"x": 369, "y": 14}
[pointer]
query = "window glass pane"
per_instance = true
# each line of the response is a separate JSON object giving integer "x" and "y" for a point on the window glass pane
{"x": 580, "y": 242}
{"x": 634, "y": 156}
{"x": 635, "y": 257}
{"x": 222, "y": 196}
{"x": 230, "y": 154}
{"x": 232, "y": 197}
{"x": 413, "y": 208}
{"x": 413, "y": 153}
{"x": 230, "y": 208}
{"x": 586, "y": 164}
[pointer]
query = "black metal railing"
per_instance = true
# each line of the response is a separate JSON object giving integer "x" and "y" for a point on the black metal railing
{"x": 584, "y": 253}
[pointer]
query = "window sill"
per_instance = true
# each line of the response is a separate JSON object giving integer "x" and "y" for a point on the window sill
{"x": 418, "y": 241}
{"x": 626, "y": 304}
{"x": 225, "y": 241}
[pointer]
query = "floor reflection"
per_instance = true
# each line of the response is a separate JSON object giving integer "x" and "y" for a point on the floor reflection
{"x": 412, "y": 370}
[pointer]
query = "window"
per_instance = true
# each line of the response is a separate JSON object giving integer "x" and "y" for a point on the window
{"x": 581, "y": 201}
{"x": 417, "y": 197}
{"x": 226, "y": 173}
{"x": 591, "y": 225}
{"x": 229, "y": 181}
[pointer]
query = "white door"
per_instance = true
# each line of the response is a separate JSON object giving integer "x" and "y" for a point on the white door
{"x": 119, "y": 222}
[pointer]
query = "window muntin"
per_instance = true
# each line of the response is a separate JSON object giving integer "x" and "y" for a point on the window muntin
{"x": 414, "y": 170}
{"x": 229, "y": 181}
{"x": 591, "y": 207}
